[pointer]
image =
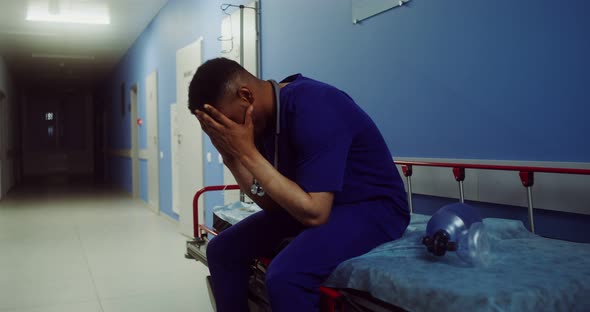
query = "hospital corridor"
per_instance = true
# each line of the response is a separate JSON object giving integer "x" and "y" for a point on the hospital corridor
{"x": 294, "y": 156}
{"x": 68, "y": 245}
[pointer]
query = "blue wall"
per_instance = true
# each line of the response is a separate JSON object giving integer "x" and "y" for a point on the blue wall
{"x": 450, "y": 79}
{"x": 467, "y": 79}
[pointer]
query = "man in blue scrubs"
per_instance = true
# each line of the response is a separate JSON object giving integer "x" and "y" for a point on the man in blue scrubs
{"x": 336, "y": 189}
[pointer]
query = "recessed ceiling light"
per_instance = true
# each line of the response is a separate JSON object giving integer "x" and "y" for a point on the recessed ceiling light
{"x": 69, "y": 12}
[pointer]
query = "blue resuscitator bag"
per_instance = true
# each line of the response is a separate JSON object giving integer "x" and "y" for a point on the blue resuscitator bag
{"x": 459, "y": 228}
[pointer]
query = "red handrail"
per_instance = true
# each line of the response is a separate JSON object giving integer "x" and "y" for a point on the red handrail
{"x": 495, "y": 167}
{"x": 526, "y": 174}
{"x": 406, "y": 163}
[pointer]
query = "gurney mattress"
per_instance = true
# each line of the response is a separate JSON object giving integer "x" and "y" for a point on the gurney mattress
{"x": 525, "y": 272}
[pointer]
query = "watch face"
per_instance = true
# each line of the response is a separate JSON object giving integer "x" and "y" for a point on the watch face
{"x": 254, "y": 189}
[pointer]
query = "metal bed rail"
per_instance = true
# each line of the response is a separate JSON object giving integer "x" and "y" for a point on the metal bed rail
{"x": 525, "y": 173}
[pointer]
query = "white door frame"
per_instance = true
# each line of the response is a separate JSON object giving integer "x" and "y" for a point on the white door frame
{"x": 153, "y": 149}
{"x": 133, "y": 102}
{"x": 175, "y": 138}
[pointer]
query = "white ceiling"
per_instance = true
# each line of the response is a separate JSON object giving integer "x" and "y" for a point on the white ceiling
{"x": 80, "y": 54}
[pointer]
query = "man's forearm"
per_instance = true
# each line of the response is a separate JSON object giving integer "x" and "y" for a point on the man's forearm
{"x": 240, "y": 173}
{"x": 245, "y": 179}
{"x": 308, "y": 208}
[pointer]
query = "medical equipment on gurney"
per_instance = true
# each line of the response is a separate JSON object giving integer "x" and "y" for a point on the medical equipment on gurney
{"x": 458, "y": 227}
{"x": 529, "y": 272}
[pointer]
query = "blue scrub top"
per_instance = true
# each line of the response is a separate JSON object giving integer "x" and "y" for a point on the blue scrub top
{"x": 327, "y": 143}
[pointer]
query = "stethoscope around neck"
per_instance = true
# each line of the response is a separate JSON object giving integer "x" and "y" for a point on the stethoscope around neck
{"x": 256, "y": 189}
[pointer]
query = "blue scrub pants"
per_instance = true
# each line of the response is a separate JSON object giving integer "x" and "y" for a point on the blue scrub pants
{"x": 296, "y": 273}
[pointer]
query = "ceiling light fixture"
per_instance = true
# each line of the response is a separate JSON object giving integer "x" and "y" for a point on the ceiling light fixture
{"x": 63, "y": 56}
{"x": 69, "y": 12}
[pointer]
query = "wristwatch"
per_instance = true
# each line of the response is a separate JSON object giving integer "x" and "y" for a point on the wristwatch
{"x": 256, "y": 189}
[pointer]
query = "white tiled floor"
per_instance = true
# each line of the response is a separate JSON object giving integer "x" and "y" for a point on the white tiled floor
{"x": 77, "y": 248}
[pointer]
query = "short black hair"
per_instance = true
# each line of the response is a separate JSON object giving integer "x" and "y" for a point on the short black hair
{"x": 210, "y": 82}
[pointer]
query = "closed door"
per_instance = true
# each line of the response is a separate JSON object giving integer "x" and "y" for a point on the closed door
{"x": 189, "y": 152}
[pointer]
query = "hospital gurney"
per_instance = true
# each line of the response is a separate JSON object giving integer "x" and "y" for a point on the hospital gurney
{"x": 526, "y": 273}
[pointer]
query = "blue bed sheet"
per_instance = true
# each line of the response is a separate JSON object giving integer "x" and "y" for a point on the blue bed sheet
{"x": 525, "y": 273}
{"x": 235, "y": 212}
